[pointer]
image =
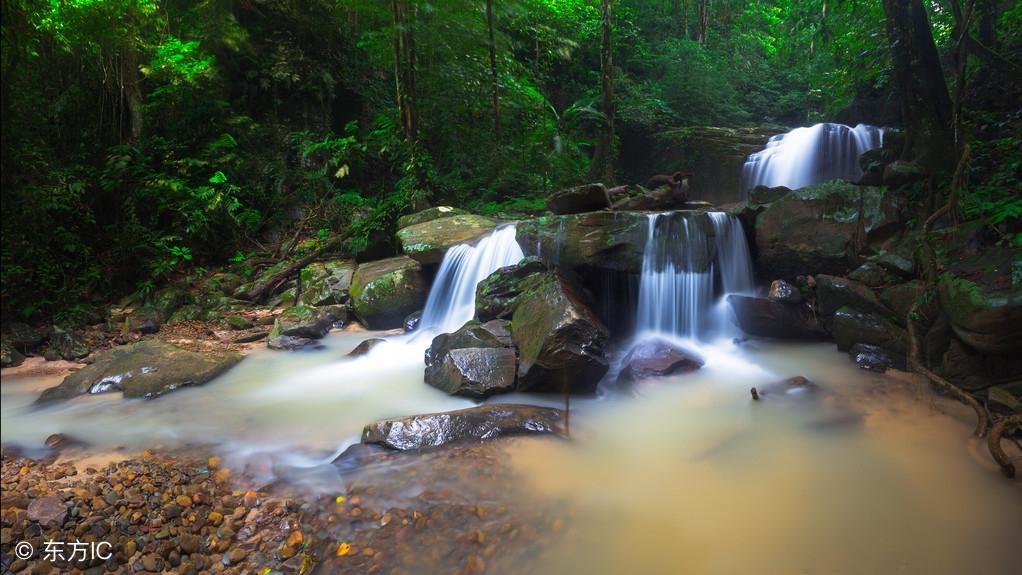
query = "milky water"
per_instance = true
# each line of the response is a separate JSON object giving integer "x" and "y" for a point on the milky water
{"x": 810, "y": 155}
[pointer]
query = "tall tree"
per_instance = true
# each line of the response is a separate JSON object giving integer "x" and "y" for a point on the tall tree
{"x": 603, "y": 160}
{"x": 704, "y": 21}
{"x": 493, "y": 70}
{"x": 404, "y": 72}
{"x": 926, "y": 105}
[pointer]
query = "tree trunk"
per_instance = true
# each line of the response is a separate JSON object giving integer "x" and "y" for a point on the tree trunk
{"x": 603, "y": 159}
{"x": 704, "y": 21}
{"x": 133, "y": 93}
{"x": 926, "y": 105}
{"x": 493, "y": 71}
{"x": 404, "y": 72}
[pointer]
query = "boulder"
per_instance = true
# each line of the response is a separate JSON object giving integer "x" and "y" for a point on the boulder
{"x": 307, "y": 321}
{"x": 969, "y": 369}
{"x": 605, "y": 240}
{"x": 870, "y": 274}
{"x": 68, "y": 345}
{"x": 811, "y": 230}
{"x": 433, "y": 430}
{"x": 9, "y": 355}
{"x": 427, "y": 215}
{"x": 385, "y": 291}
{"x": 166, "y": 301}
{"x": 654, "y": 358}
{"x": 146, "y": 369}
{"x": 412, "y": 320}
{"x": 783, "y": 291}
{"x": 900, "y": 298}
{"x": 833, "y": 293}
{"x": 291, "y": 343}
{"x": 365, "y": 346}
{"x": 661, "y": 198}
{"x": 326, "y": 283}
{"x": 497, "y": 294}
{"x": 560, "y": 340}
{"x": 585, "y": 198}
{"x": 239, "y": 322}
{"x": 876, "y": 358}
{"x": 984, "y": 313}
{"x": 901, "y": 173}
{"x": 764, "y": 317}
{"x": 427, "y": 242}
{"x": 1005, "y": 399}
{"x": 852, "y": 326}
{"x": 476, "y": 361}
{"x": 22, "y": 337}
{"x": 762, "y": 195}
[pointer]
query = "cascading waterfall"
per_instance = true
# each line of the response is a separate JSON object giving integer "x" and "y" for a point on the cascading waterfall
{"x": 688, "y": 259}
{"x": 807, "y": 156}
{"x": 452, "y": 298}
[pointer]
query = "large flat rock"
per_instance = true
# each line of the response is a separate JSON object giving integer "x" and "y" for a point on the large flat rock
{"x": 427, "y": 242}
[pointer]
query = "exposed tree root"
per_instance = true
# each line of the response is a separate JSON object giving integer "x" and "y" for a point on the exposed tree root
{"x": 994, "y": 443}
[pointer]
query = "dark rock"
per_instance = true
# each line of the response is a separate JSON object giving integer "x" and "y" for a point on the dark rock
{"x": 602, "y": 240}
{"x": 797, "y": 386}
{"x": 497, "y": 294}
{"x": 23, "y": 337}
{"x": 985, "y": 314}
{"x": 833, "y": 293}
{"x": 147, "y": 327}
{"x": 900, "y": 173}
{"x": 560, "y": 340}
{"x": 326, "y": 283}
{"x": 1005, "y": 399}
{"x": 291, "y": 343}
{"x": 306, "y": 321}
{"x": 428, "y": 215}
{"x": 764, "y": 195}
{"x": 49, "y": 511}
{"x": 411, "y": 322}
{"x": 166, "y": 301}
{"x": 654, "y": 358}
{"x": 937, "y": 339}
{"x": 812, "y": 229}
{"x": 763, "y": 317}
{"x": 9, "y": 355}
{"x": 585, "y": 198}
{"x": 900, "y": 298}
{"x": 476, "y": 361}
{"x": 852, "y": 326}
{"x": 472, "y": 424}
{"x": 783, "y": 291}
{"x": 870, "y": 274}
{"x": 872, "y": 163}
{"x": 385, "y": 291}
{"x": 68, "y": 345}
{"x": 252, "y": 336}
{"x": 668, "y": 197}
{"x": 427, "y": 242}
{"x": 61, "y": 442}
{"x": 875, "y": 358}
{"x": 365, "y": 346}
{"x": 146, "y": 369}
{"x": 969, "y": 369}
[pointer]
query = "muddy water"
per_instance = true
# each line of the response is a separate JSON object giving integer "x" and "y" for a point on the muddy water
{"x": 872, "y": 474}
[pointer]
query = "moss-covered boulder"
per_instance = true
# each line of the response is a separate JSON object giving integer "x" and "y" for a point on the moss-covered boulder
{"x": 496, "y": 295}
{"x": 385, "y": 291}
{"x": 812, "y": 230}
{"x": 429, "y": 214}
{"x": 899, "y": 298}
{"x": 585, "y": 198}
{"x": 476, "y": 361}
{"x": 307, "y": 321}
{"x": 606, "y": 240}
{"x": 834, "y": 292}
{"x": 984, "y": 315}
{"x": 852, "y": 326}
{"x": 67, "y": 345}
{"x": 427, "y": 242}
{"x": 326, "y": 283}
{"x": 146, "y": 369}
{"x": 560, "y": 340}
{"x": 763, "y": 195}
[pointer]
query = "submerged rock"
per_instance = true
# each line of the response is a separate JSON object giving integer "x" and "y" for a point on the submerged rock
{"x": 585, "y": 198}
{"x": 476, "y": 361}
{"x": 764, "y": 317}
{"x": 476, "y": 423}
{"x": 876, "y": 358}
{"x": 385, "y": 291}
{"x": 365, "y": 346}
{"x": 852, "y": 326}
{"x": 146, "y": 369}
{"x": 797, "y": 386}
{"x": 656, "y": 358}
{"x": 326, "y": 283}
{"x": 427, "y": 242}
{"x": 560, "y": 340}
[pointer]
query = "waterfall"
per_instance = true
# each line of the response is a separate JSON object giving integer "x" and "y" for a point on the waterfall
{"x": 807, "y": 156}
{"x": 687, "y": 261}
{"x": 452, "y": 298}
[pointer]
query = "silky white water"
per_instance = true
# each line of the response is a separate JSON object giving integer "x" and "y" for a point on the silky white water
{"x": 811, "y": 155}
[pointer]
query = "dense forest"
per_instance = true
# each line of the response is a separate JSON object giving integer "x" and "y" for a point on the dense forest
{"x": 143, "y": 140}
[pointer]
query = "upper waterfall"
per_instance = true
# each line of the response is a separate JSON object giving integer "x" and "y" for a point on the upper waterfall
{"x": 807, "y": 156}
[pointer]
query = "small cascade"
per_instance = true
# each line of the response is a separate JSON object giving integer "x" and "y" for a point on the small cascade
{"x": 807, "y": 156}
{"x": 452, "y": 298}
{"x": 690, "y": 259}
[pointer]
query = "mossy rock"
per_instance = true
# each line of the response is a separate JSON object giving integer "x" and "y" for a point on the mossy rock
{"x": 383, "y": 292}
{"x": 428, "y": 215}
{"x": 497, "y": 294}
{"x": 987, "y": 318}
{"x": 852, "y": 326}
{"x": 326, "y": 283}
{"x": 603, "y": 240}
{"x": 428, "y": 241}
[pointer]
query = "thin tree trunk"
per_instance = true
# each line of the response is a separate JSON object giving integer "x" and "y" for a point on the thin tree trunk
{"x": 133, "y": 94}
{"x": 605, "y": 147}
{"x": 704, "y": 21}
{"x": 493, "y": 71}
{"x": 404, "y": 72}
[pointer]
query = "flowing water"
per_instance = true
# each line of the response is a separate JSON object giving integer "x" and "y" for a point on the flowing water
{"x": 807, "y": 156}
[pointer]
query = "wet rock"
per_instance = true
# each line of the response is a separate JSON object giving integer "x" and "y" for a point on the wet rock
{"x": 365, "y": 346}
{"x": 585, "y": 198}
{"x": 870, "y": 274}
{"x": 603, "y": 240}
{"x": 472, "y": 424}
{"x": 428, "y": 241}
{"x": 497, "y": 294}
{"x": 560, "y": 340}
{"x": 21, "y": 336}
{"x": 783, "y": 291}
{"x": 985, "y": 314}
{"x": 385, "y": 291}
{"x": 476, "y": 361}
{"x": 68, "y": 345}
{"x": 661, "y": 198}
{"x": 60, "y": 442}
{"x": 900, "y": 298}
{"x": 49, "y": 511}
{"x": 655, "y": 358}
{"x": 876, "y": 358}
{"x": 797, "y": 386}
{"x": 969, "y": 369}
{"x": 764, "y": 195}
{"x": 852, "y": 326}
{"x": 326, "y": 283}
{"x": 429, "y": 214}
{"x": 291, "y": 343}
{"x": 411, "y": 322}
{"x": 764, "y": 317}
{"x": 146, "y": 369}
{"x": 833, "y": 293}
{"x": 811, "y": 230}
{"x": 307, "y": 322}
{"x": 1005, "y": 399}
